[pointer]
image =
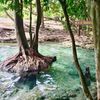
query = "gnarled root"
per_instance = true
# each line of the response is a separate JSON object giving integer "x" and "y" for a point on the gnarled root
{"x": 34, "y": 63}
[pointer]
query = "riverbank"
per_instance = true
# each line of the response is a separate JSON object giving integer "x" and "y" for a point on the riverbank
{"x": 53, "y": 32}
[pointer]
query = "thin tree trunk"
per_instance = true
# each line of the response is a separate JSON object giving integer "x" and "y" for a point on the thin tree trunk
{"x": 13, "y": 18}
{"x": 9, "y": 15}
{"x": 35, "y": 39}
{"x": 42, "y": 19}
{"x": 30, "y": 28}
{"x": 98, "y": 50}
{"x": 96, "y": 30}
{"x": 94, "y": 25}
{"x": 82, "y": 78}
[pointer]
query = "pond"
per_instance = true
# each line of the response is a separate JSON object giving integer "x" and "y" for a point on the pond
{"x": 61, "y": 75}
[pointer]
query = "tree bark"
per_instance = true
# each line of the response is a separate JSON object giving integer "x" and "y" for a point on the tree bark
{"x": 98, "y": 49}
{"x": 82, "y": 77}
{"x": 42, "y": 19}
{"x": 30, "y": 28}
{"x": 96, "y": 30}
{"x": 20, "y": 34}
{"x": 35, "y": 39}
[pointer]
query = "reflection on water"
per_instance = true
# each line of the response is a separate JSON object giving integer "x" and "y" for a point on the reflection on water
{"x": 28, "y": 81}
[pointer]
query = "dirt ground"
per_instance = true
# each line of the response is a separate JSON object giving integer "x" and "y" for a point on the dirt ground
{"x": 53, "y": 32}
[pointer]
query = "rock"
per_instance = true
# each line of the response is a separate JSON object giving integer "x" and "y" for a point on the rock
{"x": 72, "y": 95}
{"x": 37, "y": 93}
{"x": 58, "y": 94}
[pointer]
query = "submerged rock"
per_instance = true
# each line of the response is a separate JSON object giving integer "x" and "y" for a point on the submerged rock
{"x": 44, "y": 94}
{"x": 37, "y": 93}
{"x": 57, "y": 94}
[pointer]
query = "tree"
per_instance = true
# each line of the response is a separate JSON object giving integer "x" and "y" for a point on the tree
{"x": 30, "y": 28}
{"x": 42, "y": 19}
{"x": 95, "y": 5}
{"x": 82, "y": 78}
{"x": 75, "y": 12}
{"x": 28, "y": 60}
{"x": 21, "y": 38}
{"x": 39, "y": 16}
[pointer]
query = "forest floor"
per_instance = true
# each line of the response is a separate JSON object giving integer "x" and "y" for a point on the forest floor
{"x": 53, "y": 32}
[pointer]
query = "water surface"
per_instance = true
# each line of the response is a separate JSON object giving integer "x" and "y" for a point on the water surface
{"x": 61, "y": 74}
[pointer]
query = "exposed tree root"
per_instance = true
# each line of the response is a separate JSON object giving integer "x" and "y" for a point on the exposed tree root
{"x": 33, "y": 63}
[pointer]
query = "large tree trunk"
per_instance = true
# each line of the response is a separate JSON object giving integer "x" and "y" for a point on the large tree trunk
{"x": 39, "y": 16}
{"x": 21, "y": 38}
{"x": 96, "y": 30}
{"x": 82, "y": 77}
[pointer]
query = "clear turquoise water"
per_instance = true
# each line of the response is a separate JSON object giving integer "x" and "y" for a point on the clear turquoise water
{"x": 62, "y": 73}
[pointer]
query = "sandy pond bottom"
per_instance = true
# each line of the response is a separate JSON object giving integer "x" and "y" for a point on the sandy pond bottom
{"x": 60, "y": 82}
